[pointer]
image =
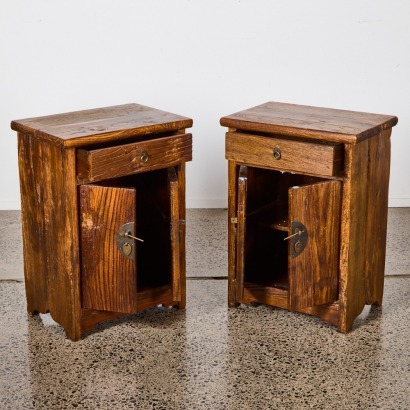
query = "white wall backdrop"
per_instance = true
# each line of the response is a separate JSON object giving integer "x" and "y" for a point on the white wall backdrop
{"x": 204, "y": 59}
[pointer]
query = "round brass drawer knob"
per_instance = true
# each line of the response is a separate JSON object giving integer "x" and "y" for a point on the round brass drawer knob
{"x": 144, "y": 156}
{"x": 277, "y": 153}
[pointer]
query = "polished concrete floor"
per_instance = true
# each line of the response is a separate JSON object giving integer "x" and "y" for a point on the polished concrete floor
{"x": 208, "y": 356}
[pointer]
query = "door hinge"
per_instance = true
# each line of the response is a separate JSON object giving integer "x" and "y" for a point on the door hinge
{"x": 182, "y": 221}
{"x": 234, "y": 220}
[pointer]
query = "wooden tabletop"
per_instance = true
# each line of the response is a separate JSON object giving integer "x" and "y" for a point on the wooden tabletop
{"x": 99, "y": 125}
{"x": 310, "y": 122}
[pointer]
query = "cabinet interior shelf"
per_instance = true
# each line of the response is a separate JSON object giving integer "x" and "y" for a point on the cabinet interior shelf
{"x": 272, "y": 215}
{"x": 281, "y": 282}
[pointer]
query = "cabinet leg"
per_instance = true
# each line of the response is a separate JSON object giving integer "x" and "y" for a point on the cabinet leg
{"x": 34, "y": 308}
{"x": 348, "y": 315}
{"x": 74, "y": 333}
{"x": 346, "y": 326}
{"x": 181, "y": 304}
{"x": 231, "y": 294}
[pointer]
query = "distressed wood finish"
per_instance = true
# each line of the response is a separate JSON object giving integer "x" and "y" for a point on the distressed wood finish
{"x": 81, "y": 292}
{"x": 50, "y": 240}
{"x": 32, "y": 218}
{"x": 101, "y": 125}
{"x": 265, "y": 294}
{"x": 182, "y": 232}
{"x": 377, "y": 207}
{"x": 64, "y": 280}
{"x": 146, "y": 299}
{"x": 108, "y": 278}
{"x": 126, "y": 159}
{"x": 241, "y": 232}
{"x": 353, "y": 235}
{"x": 232, "y": 195}
{"x": 329, "y": 313}
{"x": 300, "y": 121}
{"x": 313, "y": 274}
{"x": 174, "y": 222}
{"x": 296, "y": 156}
{"x": 341, "y": 195}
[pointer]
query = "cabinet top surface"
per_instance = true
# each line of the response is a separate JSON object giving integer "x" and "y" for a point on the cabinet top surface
{"x": 310, "y": 122}
{"x": 101, "y": 124}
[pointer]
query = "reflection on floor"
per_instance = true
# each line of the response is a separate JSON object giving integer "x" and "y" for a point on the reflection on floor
{"x": 209, "y": 356}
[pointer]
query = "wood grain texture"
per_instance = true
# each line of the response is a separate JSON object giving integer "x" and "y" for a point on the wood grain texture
{"x": 313, "y": 274}
{"x": 329, "y": 313}
{"x": 51, "y": 221}
{"x": 174, "y": 221}
{"x": 310, "y": 122}
{"x": 50, "y": 239}
{"x": 265, "y": 294}
{"x": 33, "y": 221}
{"x": 232, "y": 228}
{"x": 182, "y": 234}
{"x": 68, "y": 278}
{"x": 108, "y": 278}
{"x": 125, "y": 159}
{"x": 99, "y": 125}
{"x": 241, "y": 231}
{"x": 296, "y": 156}
{"x": 352, "y": 293}
{"x": 376, "y": 233}
{"x": 145, "y": 299}
{"x": 342, "y": 269}
{"x": 91, "y": 318}
{"x": 152, "y": 297}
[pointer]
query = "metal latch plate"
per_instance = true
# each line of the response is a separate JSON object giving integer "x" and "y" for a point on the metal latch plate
{"x": 125, "y": 244}
{"x": 299, "y": 238}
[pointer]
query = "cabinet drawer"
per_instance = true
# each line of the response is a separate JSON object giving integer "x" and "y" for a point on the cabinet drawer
{"x": 106, "y": 163}
{"x": 285, "y": 154}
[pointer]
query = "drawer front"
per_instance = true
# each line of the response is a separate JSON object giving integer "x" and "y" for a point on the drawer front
{"x": 106, "y": 163}
{"x": 285, "y": 154}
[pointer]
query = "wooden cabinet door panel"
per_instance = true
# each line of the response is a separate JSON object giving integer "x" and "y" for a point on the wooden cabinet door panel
{"x": 108, "y": 278}
{"x": 313, "y": 274}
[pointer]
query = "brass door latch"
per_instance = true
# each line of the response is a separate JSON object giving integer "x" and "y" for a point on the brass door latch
{"x": 125, "y": 239}
{"x": 298, "y": 238}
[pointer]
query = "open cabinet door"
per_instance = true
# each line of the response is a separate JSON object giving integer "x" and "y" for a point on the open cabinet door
{"x": 108, "y": 276}
{"x": 241, "y": 231}
{"x": 314, "y": 254}
{"x": 174, "y": 221}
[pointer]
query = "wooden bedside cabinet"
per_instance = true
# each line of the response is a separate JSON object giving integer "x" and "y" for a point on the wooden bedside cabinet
{"x": 307, "y": 199}
{"x": 103, "y": 212}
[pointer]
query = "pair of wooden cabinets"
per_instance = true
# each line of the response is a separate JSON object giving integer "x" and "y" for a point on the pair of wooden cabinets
{"x": 103, "y": 210}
